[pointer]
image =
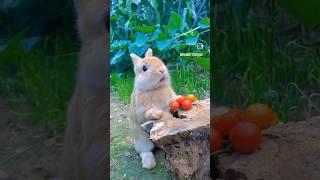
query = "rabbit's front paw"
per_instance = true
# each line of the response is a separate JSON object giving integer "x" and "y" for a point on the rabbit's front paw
{"x": 157, "y": 114}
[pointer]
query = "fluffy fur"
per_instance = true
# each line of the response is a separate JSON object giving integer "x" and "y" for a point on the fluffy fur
{"x": 149, "y": 101}
{"x": 85, "y": 153}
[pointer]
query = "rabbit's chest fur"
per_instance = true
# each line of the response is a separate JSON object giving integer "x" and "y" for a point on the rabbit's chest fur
{"x": 144, "y": 100}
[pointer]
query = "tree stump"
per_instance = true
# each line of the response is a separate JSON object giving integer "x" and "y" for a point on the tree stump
{"x": 184, "y": 139}
{"x": 288, "y": 151}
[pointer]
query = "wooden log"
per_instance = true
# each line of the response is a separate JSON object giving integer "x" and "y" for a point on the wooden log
{"x": 288, "y": 151}
{"x": 184, "y": 139}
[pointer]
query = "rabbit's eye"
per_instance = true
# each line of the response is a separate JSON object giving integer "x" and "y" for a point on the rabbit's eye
{"x": 144, "y": 68}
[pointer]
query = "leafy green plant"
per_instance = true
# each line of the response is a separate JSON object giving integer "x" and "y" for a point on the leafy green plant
{"x": 137, "y": 26}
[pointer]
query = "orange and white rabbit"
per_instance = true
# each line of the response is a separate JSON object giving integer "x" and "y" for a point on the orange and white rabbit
{"x": 150, "y": 99}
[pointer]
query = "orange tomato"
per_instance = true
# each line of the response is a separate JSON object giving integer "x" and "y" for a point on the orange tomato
{"x": 174, "y": 106}
{"x": 261, "y": 115}
{"x": 191, "y": 97}
{"x": 245, "y": 137}
{"x": 180, "y": 99}
{"x": 216, "y": 140}
{"x": 226, "y": 121}
{"x": 186, "y": 104}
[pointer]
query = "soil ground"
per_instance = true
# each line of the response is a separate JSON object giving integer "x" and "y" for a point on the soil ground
{"x": 26, "y": 152}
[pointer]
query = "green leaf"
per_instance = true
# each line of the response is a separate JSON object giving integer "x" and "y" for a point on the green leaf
{"x": 191, "y": 8}
{"x": 178, "y": 45}
{"x": 145, "y": 29}
{"x": 137, "y": 2}
{"x": 128, "y": 5}
{"x": 191, "y": 41}
{"x": 154, "y": 4}
{"x": 133, "y": 48}
{"x": 193, "y": 33}
{"x": 127, "y": 25}
{"x": 204, "y": 23}
{"x": 117, "y": 57}
{"x": 184, "y": 19}
{"x": 118, "y": 44}
{"x": 306, "y": 11}
{"x": 162, "y": 36}
{"x": 175, "y": 23}
{"x": 155, "y": 34}
{"x": 163, "y": 44}
{"x": 204, "y": 62}
{"x": 113, "y": 18}
{"x": 141, "y": 39}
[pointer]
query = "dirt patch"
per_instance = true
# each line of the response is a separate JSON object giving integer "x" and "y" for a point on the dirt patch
{"x": 26, "y": 152}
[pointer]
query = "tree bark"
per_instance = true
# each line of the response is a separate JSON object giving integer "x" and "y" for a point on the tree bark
{"x": 184, "y": 139}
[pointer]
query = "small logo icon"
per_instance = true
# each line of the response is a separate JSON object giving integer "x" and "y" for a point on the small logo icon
{"x": 200, "y": 45}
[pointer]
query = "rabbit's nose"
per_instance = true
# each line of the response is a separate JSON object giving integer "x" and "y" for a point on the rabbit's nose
{"x": 162, "y": 70}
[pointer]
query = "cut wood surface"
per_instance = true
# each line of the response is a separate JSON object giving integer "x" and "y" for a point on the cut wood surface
{"x": 184, "y": 140}
{"x": 288, "y": 151}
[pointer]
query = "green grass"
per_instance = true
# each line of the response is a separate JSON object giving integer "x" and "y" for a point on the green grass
{"x": 39, "y": 83}
{"x": 123, "y": 86}
{"x": 186, "y": 78}
{"x": 129, "y": 166}
{"x": 190, "y": 78}
{"x": 260, "y": 62}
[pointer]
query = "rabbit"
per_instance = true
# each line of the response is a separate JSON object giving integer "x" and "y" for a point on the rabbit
{"x": 86, "y": 152}
{"x": 150, "y": 100}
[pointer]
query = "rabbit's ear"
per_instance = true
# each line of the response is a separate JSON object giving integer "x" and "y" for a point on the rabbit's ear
{"x": 135, "y": 58}
{"x": 148, "y": 53}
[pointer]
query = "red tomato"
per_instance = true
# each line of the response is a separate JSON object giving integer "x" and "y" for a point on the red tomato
{"x": 226, "y": 121}
{"x": 245, "y": 137}
{"x": 216, "y": 140}
{"x": 186, "y": 104}
{"x": 174, "y": 106}
{"x": 180, "y": 99}
{"x": 238, "y": 113}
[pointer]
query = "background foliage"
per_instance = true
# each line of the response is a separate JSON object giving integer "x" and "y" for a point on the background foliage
{"x": 50, "y": 17}
{"x": 266, "y": 53}
{"x": 38, "y": 57}
{"x": 168, "y": 27}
